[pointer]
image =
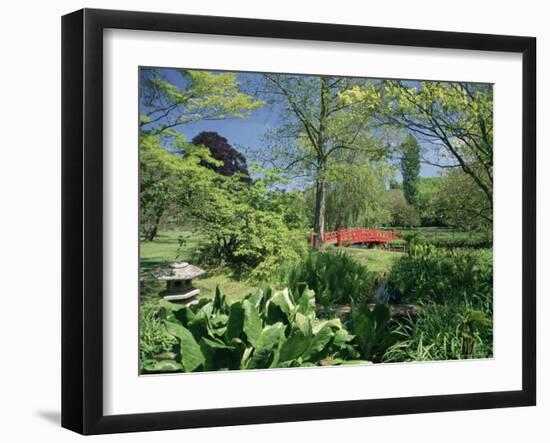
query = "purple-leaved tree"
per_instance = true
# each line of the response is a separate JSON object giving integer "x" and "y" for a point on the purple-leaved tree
{"x": 233, "y": 161}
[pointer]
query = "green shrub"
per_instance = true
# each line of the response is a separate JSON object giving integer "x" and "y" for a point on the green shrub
{"x": 254, "y": 246}
{"x": 455, "y": 291}
{"x": 443, "y": 332}
{"x": 251, "y": 228}
{"x": 335, "y": 277}
{"x": 431, "y": 275}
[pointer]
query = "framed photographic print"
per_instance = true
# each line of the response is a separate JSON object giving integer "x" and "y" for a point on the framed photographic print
{"x": 269, "y": 221}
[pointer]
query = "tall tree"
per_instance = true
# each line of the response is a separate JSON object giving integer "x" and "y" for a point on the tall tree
{"x": 169, "y": 99}
{"x": 461, "y": 204}
{"x": 456, "y": 119}
{"x": 319, "y": 127}
{"x": 410, "y": 168}
{"x": 429, "y": 211}
{"x": 401, "y": 213}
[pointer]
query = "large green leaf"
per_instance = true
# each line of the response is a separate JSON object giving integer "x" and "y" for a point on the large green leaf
{"x": 296, "y": 345}
{"x": 335, "y": 324}
{"x": 341, "y": 338}
{"x": 235, "y": 321}
{"x": 364, "y": 329}
{"x": 271, "y": 336}
{"x": 207, "y": 310}
{"x": 246, "y": 356}
{"x": 321, "y": 339}
{"x": 216, "y": 343}
{"x": 259, "y": 297}
{"x": 302, "y": 324}
{"x": 306, "y": 303}
{"x": 221, "y": 356}
{"x": 284, "y": 301}
{"x": 169, "y": 306}
{"x": 261, "y": 359}
{"x": 199, "y": 326}
{"x": 184, "y": 315}
{"x": 252, "y": 325}
{"x": 170, "y": 309}
{"x": 219, "y": 320}
{"x": 190, "y": 351}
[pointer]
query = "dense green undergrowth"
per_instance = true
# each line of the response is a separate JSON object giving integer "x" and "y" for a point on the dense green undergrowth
{"x": 455, "y": 292}
{"x": 431, "y": 275}
{"x": 334, "y": 276}
{"x": 267, "y": 329}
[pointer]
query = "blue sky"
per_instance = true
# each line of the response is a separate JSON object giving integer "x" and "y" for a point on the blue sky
{"x": 247, "y": 135}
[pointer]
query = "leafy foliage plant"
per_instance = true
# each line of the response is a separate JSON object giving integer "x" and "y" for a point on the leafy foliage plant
{"x": 334, "y": 276}
{"x": 267, "y": 329}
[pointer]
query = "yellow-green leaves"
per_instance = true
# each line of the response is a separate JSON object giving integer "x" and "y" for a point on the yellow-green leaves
{"x": 456, "y": 118}
{"x": 218, "y": 94}
{"x": 203, "y": 94}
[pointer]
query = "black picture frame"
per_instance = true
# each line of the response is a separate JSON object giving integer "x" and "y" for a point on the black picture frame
{"x": 82, "y": 215}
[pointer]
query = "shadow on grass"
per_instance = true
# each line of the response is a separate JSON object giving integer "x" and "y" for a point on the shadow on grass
{"x": 152, "y": 265}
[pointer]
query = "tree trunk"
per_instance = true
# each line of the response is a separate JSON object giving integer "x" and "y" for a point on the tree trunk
{"x": 321, "y": 182}
{"x": 152, "y": 232}
{"x": 320, "y": 209}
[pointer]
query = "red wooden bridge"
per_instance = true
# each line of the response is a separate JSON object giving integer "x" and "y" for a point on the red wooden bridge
{"x": 357, "y": 235}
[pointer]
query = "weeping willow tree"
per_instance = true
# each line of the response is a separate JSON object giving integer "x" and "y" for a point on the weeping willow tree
{"x": 355, "y": 194}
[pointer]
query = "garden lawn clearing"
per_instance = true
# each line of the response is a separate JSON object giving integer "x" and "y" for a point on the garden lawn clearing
{"x": 165, "y": 249}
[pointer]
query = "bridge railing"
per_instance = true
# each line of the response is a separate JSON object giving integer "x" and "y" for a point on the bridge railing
{"x": 358, "y": 235}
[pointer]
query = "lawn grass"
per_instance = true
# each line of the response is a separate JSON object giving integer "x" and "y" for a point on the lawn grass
{"x": 376, "y": 260}
{"x": 233, "y": 289}
{"x": 165, "y": 249}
